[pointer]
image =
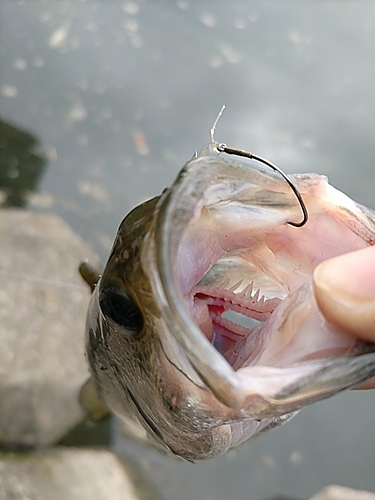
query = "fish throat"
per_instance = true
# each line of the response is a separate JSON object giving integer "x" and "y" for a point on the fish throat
{"x": 232, "y": 314}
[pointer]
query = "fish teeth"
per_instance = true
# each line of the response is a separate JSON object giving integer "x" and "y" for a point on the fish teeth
{"x": 224, "y": 284}
{"x": 246, "y": 292}
{"x": 234, "y": 287}
{"x": 256, "y": 296}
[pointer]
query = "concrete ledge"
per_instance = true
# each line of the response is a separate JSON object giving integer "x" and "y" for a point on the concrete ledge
{"x": 66, "y": 474}
{"x": 43, "y": 303}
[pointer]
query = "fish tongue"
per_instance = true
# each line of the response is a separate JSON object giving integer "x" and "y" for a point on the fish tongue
{"x": 304, "y": 358}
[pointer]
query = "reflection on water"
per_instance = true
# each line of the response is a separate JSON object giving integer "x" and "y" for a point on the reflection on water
{"x": 329, "y": 442}
{"x": 121, "y": 93}
{"x": 21, "y": 164}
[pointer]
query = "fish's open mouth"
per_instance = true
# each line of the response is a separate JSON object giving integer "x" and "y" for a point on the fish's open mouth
{"x": 227, "y": 255}
{"x": 234, "y": 271}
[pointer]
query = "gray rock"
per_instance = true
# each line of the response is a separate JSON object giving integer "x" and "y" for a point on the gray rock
{"x": 68, "y": 474}
{"x": 334, "y": 492}
{"x": 43, "y": 303}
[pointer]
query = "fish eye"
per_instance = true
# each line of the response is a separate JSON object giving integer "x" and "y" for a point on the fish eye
{"x": 121, "y": 310}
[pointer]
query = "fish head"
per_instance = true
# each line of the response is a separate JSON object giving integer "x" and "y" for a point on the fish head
{"x": 160, "y": 343}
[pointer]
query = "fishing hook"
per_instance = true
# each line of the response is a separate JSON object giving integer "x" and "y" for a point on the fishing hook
{"x": 223, "y": 148}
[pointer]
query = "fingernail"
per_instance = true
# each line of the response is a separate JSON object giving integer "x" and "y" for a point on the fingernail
{"x": 345, "y": 291}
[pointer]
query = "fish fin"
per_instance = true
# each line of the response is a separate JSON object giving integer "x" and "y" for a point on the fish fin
{"x": 90, "y": 273}
{"x": 93, "y": 405}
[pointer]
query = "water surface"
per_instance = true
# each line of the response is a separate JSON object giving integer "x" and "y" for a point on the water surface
{"x": 118, "y": 95}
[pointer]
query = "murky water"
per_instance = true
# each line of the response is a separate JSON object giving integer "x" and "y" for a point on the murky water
{"x": 118, "y": 95}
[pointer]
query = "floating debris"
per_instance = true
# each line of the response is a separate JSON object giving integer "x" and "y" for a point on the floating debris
{"x": 140, "y": 143}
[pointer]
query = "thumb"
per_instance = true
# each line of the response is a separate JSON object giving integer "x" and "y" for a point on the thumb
{"x": 345, "y": 291}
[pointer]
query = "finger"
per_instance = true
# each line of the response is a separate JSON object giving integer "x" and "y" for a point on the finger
{"x": 345, "y": 291}
{"x": 368, "y": 384}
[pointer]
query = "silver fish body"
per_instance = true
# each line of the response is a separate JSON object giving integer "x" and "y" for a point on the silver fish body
{"x": 161, "y": 346}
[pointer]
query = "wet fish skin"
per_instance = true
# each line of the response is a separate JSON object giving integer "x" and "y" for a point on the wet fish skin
{"x": 150, "y": 361}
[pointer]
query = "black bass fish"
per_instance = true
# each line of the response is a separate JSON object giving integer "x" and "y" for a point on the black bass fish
{"x": 168, "y": 336}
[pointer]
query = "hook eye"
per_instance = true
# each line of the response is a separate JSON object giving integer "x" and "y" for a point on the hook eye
{"x": 223, "y": 148}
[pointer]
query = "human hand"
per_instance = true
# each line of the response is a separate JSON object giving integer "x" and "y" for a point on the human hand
{"x": 345, "y": 293}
